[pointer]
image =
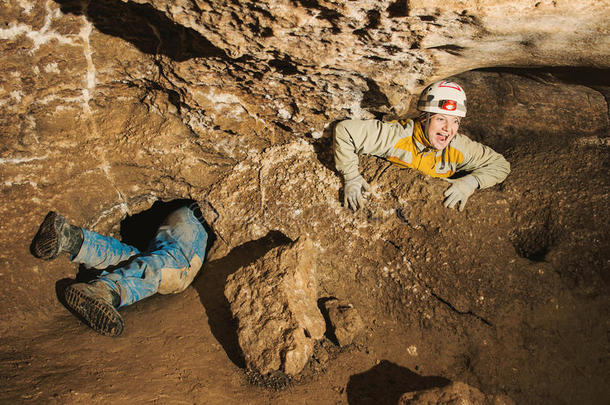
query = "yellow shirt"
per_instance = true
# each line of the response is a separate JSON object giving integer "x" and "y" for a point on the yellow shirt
{"x": 405, "y": 145}
{"x": 416, "y": 153}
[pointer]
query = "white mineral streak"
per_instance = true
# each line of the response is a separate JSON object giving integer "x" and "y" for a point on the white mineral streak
{"x": 26, "y": 6}
{"x": 222, "y": 98}
{"x": 47, "y": 34}
{"x": 52, "y": 68}
{"x": 89, "y": 87}
{"x": 20, "y": 183}
{"x": 122, "y": 205}
{"x": 16, "y": 161}
{"x": 41, "y": 37}
{"x": 122, "y": 208}
{"x": 284, "y": 113}
{"x": 13, "y": 31}
{"x": 64, "y": 100}
{"x": 16, "y": 95}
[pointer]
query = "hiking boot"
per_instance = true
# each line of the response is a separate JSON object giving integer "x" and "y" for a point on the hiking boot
{"x": 97, "y": 305}
{"x": 54, "y": 236}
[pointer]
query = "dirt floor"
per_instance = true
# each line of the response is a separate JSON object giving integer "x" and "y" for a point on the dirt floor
{"x": 109, "y": 106}
{"x": 182, "y": 349}
{"x": 516, "y": 305}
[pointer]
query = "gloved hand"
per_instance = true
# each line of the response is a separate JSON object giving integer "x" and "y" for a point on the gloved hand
{"x": 353, "y": 192}
{"x": 459, "y": 191}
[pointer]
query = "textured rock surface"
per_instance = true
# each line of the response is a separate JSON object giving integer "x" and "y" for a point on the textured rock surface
{"x": 374, "y": 50}
{"x": 275, "y": 303}
{"x": 453, "y": 394}
{"x": 109, "y": 106}
{"x": 344, "y": 319}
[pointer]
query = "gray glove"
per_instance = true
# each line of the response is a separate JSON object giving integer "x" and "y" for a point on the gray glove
{"x": 459, "y": 191}
{"x": 353, "y": 192}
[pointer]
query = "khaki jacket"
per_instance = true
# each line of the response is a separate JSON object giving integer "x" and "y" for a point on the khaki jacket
{"x": 404, "y": 144}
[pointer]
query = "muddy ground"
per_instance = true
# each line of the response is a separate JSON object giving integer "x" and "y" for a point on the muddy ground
{"x": 536, "y": 247}
{"x": 111, "y": 110}
{"x": 510, "y": 296}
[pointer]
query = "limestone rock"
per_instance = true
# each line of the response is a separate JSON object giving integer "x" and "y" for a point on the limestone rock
{"x": 559, "y": 104}
{"x": 109, "y": 106}
{"x": 371, "y": 51}
{"x": 344, "y": 319}
{"x": 275, "y": 302}
{"x": 456, "y": 393}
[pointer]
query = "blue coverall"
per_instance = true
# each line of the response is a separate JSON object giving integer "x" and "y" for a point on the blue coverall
{"x": 169, "y": 265}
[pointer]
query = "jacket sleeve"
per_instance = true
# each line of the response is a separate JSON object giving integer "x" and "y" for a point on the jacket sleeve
{"x": 370, "y": 137}
{"x": 486, "y": 165}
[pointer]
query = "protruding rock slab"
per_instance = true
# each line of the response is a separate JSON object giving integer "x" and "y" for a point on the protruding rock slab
{"x": 275, "y": 302}
{"x": 452, "y": 394}
{"x": 345, "y": 321}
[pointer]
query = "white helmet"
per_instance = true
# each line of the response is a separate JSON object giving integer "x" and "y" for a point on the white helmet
{"x": 443, "y": 98}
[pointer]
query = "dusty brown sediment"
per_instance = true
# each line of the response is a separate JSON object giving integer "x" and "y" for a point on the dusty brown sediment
{"x": 109, "y": 106}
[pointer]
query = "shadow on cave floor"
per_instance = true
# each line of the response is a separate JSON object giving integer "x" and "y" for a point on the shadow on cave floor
{"x": 323, "y": 147}
{"x": 134, "y": 23}
{"x": 139, "y": 229}
{"x": 386, "y": 383}
{"x": 210, "y": 286}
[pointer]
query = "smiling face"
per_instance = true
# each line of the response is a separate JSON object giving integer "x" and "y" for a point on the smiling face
{"x": 441, "y": 130}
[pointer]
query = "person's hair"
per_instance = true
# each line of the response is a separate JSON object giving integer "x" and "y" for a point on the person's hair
{"x": 422, "y": 116}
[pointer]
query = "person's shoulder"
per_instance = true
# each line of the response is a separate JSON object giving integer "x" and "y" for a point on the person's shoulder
{"x": 405, "y": 125}
{"x": 402, "y": 121}
{"x": 463, "y": 143}
{"x": 408, "y": 124}
{"x": 463, "y": 139}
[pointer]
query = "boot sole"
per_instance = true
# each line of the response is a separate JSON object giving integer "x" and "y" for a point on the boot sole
{"x": 97, "y": 314}
{"x": 45, "y": 244}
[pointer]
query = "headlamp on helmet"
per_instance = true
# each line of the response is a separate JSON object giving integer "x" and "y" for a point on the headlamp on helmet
{"x": 443, "y": 97}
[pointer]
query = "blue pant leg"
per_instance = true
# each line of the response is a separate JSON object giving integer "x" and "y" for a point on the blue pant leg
{"x": 140, "y": 277}
{"x": 100, "y": 252}
{"x": 188, "y": 235}
{"x": 170, "y": 263}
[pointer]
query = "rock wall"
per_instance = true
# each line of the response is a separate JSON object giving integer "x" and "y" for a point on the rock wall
{"x": 275, "y": 303}
{"x": 108, "y": 106}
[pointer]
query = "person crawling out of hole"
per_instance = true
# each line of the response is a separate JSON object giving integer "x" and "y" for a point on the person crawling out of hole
{"x": 430, "y": 144}
{"x": 169, "y": 265}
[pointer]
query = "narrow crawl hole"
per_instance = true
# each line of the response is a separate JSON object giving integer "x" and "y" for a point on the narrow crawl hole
{"x": 532, "y": 243}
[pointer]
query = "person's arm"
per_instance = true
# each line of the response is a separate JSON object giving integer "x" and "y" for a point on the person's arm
{"x": 355, "y": 137}
{"x": 487, "y": 168}
{"x": 485, "y": 164}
